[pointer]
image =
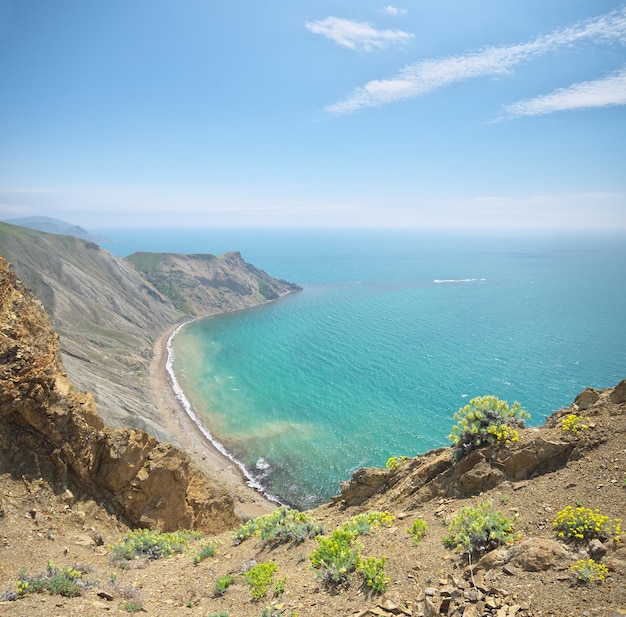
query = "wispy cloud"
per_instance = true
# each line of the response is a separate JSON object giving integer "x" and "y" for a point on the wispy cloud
{"x": 392, "y": 10}
{"x": 424, "y": 77}
{"x": 585, "y": 95}
{"x": 357, "y": 35}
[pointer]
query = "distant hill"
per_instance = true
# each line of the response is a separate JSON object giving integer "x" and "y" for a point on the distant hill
{"x": 109, "y": 313}
{"x": 56, "y": 226}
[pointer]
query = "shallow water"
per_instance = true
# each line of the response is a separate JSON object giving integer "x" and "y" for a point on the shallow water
{"x": 391, "y": 335}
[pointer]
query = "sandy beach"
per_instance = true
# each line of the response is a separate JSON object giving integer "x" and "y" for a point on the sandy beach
{"x": 248, "y": 501}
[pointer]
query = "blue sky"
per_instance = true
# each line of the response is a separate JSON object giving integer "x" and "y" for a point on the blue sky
{"x": 465, "y": 114}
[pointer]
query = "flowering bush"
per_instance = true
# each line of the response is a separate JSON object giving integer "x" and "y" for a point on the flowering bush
{"x": 280, "y": 526}
{"x": 486, "y": 420}
{"x": 260, "y": 577}
{"x": 585, "y": 524}
{"x": 417, "y": 530}
{"x": 207, "y": 549}
{"x": 153, "y": 544}
{"x": 373, "y": 571}
{"x": 574, "y": 423}
{"x": 363, "y": 523}
{"x": 65, "y": 582}
{"x": 477, "y": 529}
{"x": 393, "y": 462}
{"x": 589, "y": 571}
{"x": 337, "y": 556}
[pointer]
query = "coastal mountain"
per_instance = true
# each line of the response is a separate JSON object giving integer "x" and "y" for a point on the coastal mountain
{"x": 56, "y": 226}
{"x": 71, "y": 488}
{"x": 109, "y": 314}
{"x": 197, "y": 283}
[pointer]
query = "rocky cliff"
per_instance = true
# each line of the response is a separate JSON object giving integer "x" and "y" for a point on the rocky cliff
{"x": 110, "y": 311}
{"x": 50, "y": 430}
{"x": 539, "y": 451}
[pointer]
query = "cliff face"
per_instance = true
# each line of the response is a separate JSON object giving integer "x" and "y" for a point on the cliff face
{"x": 109, "y": 312}
{"x": 49, "y": 430}
{"x": 203, "y": 284}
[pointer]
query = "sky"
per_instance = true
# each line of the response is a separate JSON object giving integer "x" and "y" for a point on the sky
{"x": 429, "y": 114}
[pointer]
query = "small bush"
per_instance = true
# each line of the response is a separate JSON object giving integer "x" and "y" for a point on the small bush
{"x": 585, "y": 524}
{"x": 589, "y": 571}
{"x": 65, "y": 582}
{"x": 260, "y": 577}
{"x": 279, "y": 588}
{"x": 485, "y": 421}
{"x": 207, "y": 550}
{"x": 337, "y": 556}
{"x": 152, "y": 544}
{"x": 363, "y": 523}
{"x": 373, "y": 571}
{"x": 574, "y": 423}
{"x": 222, "y": 584}
{"x": 394, "y": 462}
{"x": 131, "y": 607}
{"x": 417, "y": 530}
{"x": 281, "y": 526}
{"x": 475, "y": 530}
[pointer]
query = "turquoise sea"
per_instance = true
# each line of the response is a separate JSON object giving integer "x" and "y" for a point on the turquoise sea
{"x": 393, "y": 332}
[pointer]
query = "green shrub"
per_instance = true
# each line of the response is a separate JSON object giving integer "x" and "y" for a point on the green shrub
{"x": 486, "y": 420}
{"x": 131, "y": 607}
{"x": 364, "y": 523}
{"x": 279, "y": 588}
{"x": 337, "y": 556}
{"x": 207, "y": 549}
{"x": 585, "y": 524}
{"x": 260, "y": 577}
{"x": 281, "y": 526}
{"x": 373, "y": 571}
{"x": 417, "y": 530}
{"x": 65, "y": 582}
{"x": 394, "y": 462}
{"x": 589, "y": 571}
{"x": 152, "y": 544}
{"x": 478, "y": 529}
{"x": 222, "y": 584}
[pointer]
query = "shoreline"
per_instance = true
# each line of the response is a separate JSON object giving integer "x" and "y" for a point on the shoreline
{"x": 184, "y": 426}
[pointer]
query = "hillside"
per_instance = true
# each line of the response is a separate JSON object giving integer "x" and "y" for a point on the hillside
{"x": 109, "y": 315}
{"x": 70, "y": 488}
{"x": 56, "y": 226}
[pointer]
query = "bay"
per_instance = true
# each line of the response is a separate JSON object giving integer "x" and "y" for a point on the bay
{"x": 393, "y": 332}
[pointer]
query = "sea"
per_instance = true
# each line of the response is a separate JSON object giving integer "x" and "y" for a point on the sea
{"x": 393, "y": 332}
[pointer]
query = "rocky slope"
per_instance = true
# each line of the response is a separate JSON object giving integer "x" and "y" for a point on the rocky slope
{"x": 49, "y": 430}
{"x": 109, "y": 315}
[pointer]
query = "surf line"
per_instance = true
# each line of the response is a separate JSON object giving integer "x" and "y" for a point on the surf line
{"x": 189, "y": 410}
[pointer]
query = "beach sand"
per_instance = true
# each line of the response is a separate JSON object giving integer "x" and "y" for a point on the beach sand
{"x": 248, "y": 501}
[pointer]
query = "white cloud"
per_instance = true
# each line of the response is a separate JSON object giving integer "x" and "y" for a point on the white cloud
{"x": 585, "y": 95}
{"x": 356, "y": 35}
{"x": 423, "y": 77}
{"x": 392, "y": 10}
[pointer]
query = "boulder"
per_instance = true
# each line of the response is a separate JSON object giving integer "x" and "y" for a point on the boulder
{"x": 586, "y": 398}
{"x": 618, "y": 394}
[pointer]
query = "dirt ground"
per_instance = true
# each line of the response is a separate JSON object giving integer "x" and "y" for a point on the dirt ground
{"x": 37, "y": 526}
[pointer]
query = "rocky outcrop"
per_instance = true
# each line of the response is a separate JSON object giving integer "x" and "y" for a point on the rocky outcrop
{"x": 48, "y": 429}
{"x": 436, "y": 473}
